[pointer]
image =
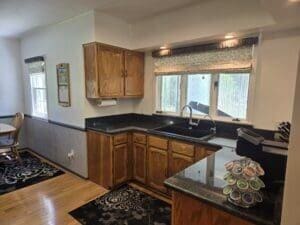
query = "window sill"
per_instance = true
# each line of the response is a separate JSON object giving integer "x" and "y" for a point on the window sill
{"x": 197, "y": 117}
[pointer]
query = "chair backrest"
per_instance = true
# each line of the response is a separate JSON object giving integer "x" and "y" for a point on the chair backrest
{"x": 17, "y": 122}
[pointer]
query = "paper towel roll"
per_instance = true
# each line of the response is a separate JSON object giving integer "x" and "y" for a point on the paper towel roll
{"x": 108, "y": 102}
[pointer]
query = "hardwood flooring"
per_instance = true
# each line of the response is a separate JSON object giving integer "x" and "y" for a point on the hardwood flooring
{"x": 48, "y": 202}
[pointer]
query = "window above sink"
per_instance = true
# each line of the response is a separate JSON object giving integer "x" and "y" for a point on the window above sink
{"x": 224, "y": 96}
{"x": 218, "y": 83}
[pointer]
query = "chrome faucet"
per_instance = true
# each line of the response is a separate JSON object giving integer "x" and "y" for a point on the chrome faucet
{"x": 214, "y": 128}
{"x": 191, "y": 123}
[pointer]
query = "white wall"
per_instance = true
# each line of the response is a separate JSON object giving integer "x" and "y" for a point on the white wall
{"x": 113, "y": 31}
{"x": 275, "y": 79}
{"x": 291, "y": 202}
{"x": 63, "y": 43}
{"x": 11, "y": 88}
{"x": 274, "y": 82}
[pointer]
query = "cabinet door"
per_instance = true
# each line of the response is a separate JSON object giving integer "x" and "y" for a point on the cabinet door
{"x": 134, "y": 73}
{"x": 100, "y": 159}
{"x": 179, "y": 162}
{"x": 220, "y": 217}
{"x": 111, "y": 71}
{"x": 157, "y": 168}
{"x": 91, "y": 70}
{"x": 120, "y": 163}
{"x": 94, "y": 156}
{"x": 139, "y": 161}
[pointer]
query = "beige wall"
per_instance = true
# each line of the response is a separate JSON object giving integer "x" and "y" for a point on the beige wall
{"x": 291, "y": 204}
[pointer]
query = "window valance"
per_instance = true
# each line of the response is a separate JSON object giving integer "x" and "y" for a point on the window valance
{"x": 219, "y": 60}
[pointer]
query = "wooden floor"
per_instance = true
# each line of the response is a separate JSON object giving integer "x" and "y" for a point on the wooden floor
{"x": 48, "y": 202}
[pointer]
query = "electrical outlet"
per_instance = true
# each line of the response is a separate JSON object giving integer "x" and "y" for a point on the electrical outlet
{"x": 71, "y": 154}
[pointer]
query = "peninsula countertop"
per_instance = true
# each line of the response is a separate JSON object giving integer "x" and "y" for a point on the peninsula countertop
{"x": 204, "y": 181}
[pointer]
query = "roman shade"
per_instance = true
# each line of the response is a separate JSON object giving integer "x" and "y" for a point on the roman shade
{"x": 213, "y": 61}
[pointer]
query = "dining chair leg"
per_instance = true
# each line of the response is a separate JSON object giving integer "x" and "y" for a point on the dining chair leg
{"x": 16, "y": 152}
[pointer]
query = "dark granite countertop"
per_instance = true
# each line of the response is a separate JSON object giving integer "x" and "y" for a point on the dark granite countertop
{"x": 149, "y": 123}
{"x": 125, "y": 122}
{"x": 204, "y": 181}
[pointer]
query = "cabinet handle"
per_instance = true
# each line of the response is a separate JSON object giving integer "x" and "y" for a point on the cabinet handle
{"x": 166, "y": 172}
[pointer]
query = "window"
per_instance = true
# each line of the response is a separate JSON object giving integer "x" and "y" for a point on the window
{"x": 233, "y": 95}
{"x": 170, "y": 90}
{"x": 38, "y": 89}
{"x": 198, "y": 93}
{"x": 221, "y": 95}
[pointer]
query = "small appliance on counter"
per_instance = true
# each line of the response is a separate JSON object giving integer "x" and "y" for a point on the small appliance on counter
{"x": 271, "y": 155}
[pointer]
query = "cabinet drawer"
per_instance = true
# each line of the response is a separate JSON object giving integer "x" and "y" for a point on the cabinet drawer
{"x": 139, "y": 138}
{"x": 182, "y": 148}
{"x": 120, "y": 139}
{"x": 157, "y": 142}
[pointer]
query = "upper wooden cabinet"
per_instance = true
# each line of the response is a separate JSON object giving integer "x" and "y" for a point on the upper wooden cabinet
{"x": 134, "y": 73}
{"x": 112, "y": 72}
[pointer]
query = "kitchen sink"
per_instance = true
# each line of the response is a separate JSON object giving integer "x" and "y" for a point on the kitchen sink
{"x": 187, "y": 131}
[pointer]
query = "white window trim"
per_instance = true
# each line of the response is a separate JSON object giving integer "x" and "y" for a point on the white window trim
{"x": 213, "y": 100}
{"x": 33, "y": 114}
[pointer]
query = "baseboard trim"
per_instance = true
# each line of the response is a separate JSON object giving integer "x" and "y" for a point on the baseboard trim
{"x": 58, "y": 164}
{"x": 7, "y": 116}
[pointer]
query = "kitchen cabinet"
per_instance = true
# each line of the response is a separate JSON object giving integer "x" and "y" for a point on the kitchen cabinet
{"x": 120, "y": 154}
{"x": 157, "y": 168}
{"x": 179, "y": 162}
{"x": 147, "y": 159}
{"x": 112, "y": 72}
{"x": 181, "y": 156}
{"x": 187, "y": 210}
{"x": 134, "y": 73}
{"x": 100, "y": 165}
{"x": 140, "y": 162}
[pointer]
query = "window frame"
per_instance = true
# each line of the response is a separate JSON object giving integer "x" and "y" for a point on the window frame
{"x": 213, "y": 99}
{"x": 33, "y": 95}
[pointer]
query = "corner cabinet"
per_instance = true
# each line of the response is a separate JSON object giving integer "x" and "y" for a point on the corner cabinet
{"x": 112, "y": 72}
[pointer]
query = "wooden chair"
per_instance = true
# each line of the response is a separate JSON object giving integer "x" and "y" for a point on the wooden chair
{"x": 10, "y": 143}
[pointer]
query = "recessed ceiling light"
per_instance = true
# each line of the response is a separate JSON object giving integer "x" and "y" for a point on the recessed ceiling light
{"x": 163, "y": 47}
{"x": 229, "y": 36}
{"x": 294, "y": 1}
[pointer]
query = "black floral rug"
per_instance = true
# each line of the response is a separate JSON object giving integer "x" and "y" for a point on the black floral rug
{"x": 124, "y": 206}
{"x": 15, "y": 175}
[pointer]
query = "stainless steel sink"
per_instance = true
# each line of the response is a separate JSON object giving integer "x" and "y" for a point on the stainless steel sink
{"x": 186, "y": 131}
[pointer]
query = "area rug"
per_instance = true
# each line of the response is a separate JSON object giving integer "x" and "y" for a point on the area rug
{"x": 15, "y": 175}
{"x": 124, "y": 206}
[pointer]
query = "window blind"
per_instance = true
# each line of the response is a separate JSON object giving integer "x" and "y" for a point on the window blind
{"x": 36, "y": 67}
{"x": 213, "y": 61}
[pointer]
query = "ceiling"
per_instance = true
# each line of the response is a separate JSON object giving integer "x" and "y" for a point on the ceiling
{"x": 20, "y": 16}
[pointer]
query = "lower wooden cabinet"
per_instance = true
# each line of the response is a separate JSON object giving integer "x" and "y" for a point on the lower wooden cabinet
{"x": 139, "y": 162}
{"x": 115, "y": 159}
{"x": 179, "y": 162}
{"x": 157, "y": 168}
{"x": 100, "y": 163}
{"x": 120, "y": 163}
{"x": 187, "y": 210}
